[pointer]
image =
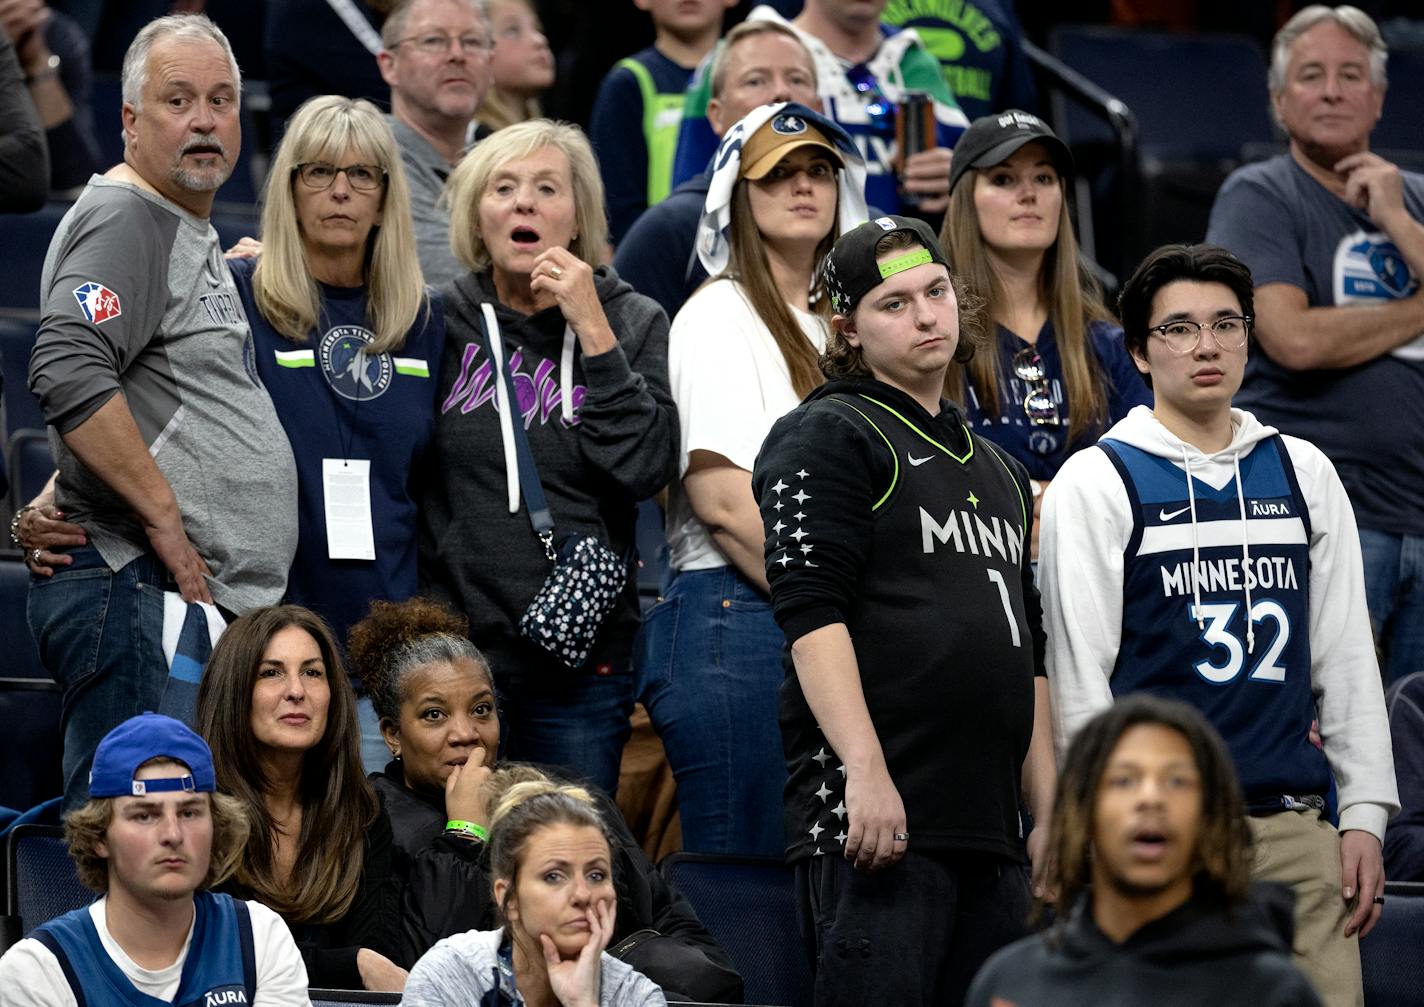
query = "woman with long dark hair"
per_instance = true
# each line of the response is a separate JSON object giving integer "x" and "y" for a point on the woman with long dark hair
{"x": 278, "y": 712}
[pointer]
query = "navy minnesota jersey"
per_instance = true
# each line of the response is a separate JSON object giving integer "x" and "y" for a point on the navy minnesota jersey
{"x": 1243, "y": 656}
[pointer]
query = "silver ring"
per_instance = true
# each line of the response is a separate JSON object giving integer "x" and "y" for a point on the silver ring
{"x": 902, "y": 837}
{"x": 35, "y": 556}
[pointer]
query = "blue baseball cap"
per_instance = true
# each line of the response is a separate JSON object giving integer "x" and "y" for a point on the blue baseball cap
{"x": 149, "y": 736}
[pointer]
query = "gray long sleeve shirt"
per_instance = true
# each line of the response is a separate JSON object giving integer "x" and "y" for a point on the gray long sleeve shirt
{"x": 136, "y": 300}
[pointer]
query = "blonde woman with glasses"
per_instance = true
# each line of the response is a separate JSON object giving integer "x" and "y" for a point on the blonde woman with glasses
{"x": 1060, "y": 376}
{"x": 347, "y": 340}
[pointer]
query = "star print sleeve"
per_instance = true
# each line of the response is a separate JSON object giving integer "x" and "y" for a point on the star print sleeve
{"x": 814, "y": 484}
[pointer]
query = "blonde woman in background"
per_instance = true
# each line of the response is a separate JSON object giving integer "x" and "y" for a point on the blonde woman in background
{"x": 521, "y": 65}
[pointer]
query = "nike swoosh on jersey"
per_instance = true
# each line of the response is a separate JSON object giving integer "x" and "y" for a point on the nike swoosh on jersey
{"x": 1165, "y": 515}
{"x": 918, "y": 461}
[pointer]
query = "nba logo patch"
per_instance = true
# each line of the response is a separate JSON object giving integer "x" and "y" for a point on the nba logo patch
{"x": 97, "y": 301}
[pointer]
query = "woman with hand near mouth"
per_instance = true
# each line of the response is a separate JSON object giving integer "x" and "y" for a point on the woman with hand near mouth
{"x": 347, "y": 340}
{"x": 587, "y": 360}
{"x": 742, "y": 352}
{"x": 278, "y": 712}
{"x": 436, "y": 701}
{"x": 554, "y": 889}
{"x": 1060, "y": 376}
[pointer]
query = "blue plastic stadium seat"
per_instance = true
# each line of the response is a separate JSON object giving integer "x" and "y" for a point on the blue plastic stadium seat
{"x": 24, "y": 239}
{"x": 18, "y": 658}
{"x": 30, "y": 744}
{"x": 18, "y": 408}
{"x": 1390, "y": 955}
{"x": 43, "y": 880}
{"x": 749, "y": 905}
{"x": 30, "y": 464}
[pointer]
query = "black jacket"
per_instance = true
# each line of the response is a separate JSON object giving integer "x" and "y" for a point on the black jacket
{"x": 1200, "y": 953}
{"x": 448, "y": 890}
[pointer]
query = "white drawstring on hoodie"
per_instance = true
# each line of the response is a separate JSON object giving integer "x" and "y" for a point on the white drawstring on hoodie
{"x": 1196, "y": 550}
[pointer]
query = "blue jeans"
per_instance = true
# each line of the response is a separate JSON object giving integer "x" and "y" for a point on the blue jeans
{"x": 710, "y": 674}
{"x": 100, "y": 634}
{"x": 1394, "y": 591}
{"x": 574, "y": 719}
{"x": 374, "y": 753}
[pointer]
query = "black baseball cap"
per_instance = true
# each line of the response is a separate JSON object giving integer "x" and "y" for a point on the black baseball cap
{"x": 852, "y": 270}
{"x": 992, "y": 139}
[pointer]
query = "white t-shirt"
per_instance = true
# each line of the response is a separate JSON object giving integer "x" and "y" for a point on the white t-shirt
{"x": 30, "y": 975}
{"x": 730, "y": 383}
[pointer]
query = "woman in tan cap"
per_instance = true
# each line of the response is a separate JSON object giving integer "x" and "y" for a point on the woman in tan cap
{"x": 742, "y": 352}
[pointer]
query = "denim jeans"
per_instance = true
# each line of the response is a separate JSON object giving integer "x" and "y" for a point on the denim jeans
{"x": 574, "y": 719}
{"x": 100, "y": 634}
{"x": 710, "y": 673}
{"x": 1394, "y": 591}
{"x": 913, "y": 934}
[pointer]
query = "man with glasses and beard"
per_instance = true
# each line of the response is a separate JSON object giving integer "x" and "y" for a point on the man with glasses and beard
{"x": 1198, "y": 554}
{"x": 1151, "y": 847}
{"x": 173, "y": 468}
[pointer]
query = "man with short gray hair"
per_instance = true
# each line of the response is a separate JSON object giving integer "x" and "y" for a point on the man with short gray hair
{"x": 1334, "y": 236}
{"x": 436, "y": 58}
{"x": 170, "y": 455}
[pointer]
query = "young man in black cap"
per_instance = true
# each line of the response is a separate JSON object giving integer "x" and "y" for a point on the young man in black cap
{"x": 897, "y": 556}
{"x": 153, "y": 835}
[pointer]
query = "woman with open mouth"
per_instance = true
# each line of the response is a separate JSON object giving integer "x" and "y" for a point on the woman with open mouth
{"x": 583, "y": 358}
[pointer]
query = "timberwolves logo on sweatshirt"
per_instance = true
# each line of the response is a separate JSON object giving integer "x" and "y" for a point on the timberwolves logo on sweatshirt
{"x": 352, "y": 372}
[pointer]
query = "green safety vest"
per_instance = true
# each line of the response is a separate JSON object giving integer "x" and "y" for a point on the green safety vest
{"x": 662, "y": 115}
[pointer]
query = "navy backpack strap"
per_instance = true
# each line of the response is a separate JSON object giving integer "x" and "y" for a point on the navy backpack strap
{"x": 47, "y": 939}
{"x": 249, "y": 953}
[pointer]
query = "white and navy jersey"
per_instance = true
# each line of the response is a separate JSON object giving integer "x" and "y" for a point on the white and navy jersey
{"x": 220, "y": 967}
{"x": 1222, "y": 626}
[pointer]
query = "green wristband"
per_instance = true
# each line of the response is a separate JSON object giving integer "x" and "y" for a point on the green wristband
{"x": 471, "y": 829}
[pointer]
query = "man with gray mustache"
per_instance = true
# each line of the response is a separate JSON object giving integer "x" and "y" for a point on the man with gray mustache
{"x": 174, "y": 472}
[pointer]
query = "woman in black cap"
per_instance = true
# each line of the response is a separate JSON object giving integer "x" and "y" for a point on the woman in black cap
{"x": 1060, "y": 376}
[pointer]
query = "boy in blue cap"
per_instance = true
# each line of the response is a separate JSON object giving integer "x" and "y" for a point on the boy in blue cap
{"x": 152, "y": 838}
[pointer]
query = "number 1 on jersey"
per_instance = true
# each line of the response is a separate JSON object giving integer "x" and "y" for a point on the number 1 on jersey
{"x": 998, "y": 580}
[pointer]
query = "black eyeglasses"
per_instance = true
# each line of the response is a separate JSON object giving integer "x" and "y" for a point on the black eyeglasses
{"x": 1183, "y": 335}
{"x": 321, "y": 175}
{"x": 1038, "y": 404}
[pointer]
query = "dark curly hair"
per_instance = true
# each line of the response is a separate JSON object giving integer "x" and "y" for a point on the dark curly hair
{"x": 1223, "y": 849}
{"x": 397, "y": 637}
{"x": 842, "y": 360}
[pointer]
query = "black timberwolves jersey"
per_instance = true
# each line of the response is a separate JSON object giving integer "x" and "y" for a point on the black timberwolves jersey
{"x": 942, "y": 638}
{"x": 1226, "y": 629}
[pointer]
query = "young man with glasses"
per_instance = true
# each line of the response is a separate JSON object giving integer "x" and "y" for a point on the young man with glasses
{"x": 436, "y": 60}
{"x": 1200, "y": 554}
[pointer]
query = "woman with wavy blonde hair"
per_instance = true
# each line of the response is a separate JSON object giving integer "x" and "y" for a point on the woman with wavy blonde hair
{"x": 347, "y": 339}
{"x": 550, "y": 856}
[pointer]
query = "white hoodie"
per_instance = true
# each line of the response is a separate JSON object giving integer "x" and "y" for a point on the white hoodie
{"x": 1086, "y": 523}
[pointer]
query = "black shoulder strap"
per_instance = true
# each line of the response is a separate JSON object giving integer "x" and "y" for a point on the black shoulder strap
{"x": 249, "y": 953}
{"x": 48, "y": 940}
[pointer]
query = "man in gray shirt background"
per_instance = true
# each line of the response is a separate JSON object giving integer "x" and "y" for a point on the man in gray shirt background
{"x": 170, "y": 454}
{"x": 436, "y": 58}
